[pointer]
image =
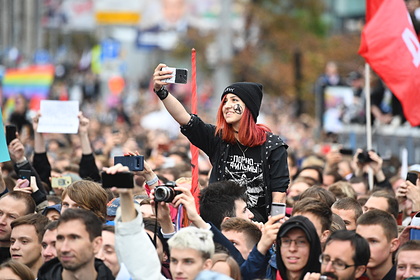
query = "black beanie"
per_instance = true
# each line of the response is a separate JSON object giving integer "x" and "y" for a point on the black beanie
{"x": 249, "y": 93}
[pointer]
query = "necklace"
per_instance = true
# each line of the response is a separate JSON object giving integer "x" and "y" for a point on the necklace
{"x": 243, "y": 151}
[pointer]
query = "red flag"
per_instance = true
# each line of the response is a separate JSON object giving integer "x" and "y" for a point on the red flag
{"x": 371, "y": 7}
{"x": 391, "y": 48}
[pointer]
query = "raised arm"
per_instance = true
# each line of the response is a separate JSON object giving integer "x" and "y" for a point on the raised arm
{"x": 172, "y": 105}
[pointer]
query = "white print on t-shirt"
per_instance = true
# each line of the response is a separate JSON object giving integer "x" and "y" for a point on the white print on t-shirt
{"x": 248, "y": 173}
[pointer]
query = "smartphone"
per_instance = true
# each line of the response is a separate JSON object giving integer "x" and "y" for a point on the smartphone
{"x": 10, "y": 133}
{"x": 124, "y": 180}
{"x": 134, "y": 163}
{"x": 60, "y": 182}
{"x": 25, "y": 174}
{"x": 412, "y": 177}
{"x": 179, "y": 75}
{"x": 278, "y": 208}
{"x": 345, "y": 151}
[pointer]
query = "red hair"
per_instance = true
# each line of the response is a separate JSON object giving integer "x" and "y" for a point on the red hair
{"x": 250, "y": 134}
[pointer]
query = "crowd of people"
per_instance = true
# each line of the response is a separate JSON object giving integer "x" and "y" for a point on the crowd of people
{"x": 60, "y": 223}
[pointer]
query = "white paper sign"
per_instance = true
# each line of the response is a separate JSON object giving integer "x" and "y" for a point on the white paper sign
{"x": 59, "y": 117}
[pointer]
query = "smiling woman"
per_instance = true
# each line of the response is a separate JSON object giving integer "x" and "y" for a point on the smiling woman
{"x": 239, "y": 149}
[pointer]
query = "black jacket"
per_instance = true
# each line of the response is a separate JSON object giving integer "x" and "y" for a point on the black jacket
{"x": 52, "y": 270}
{"x": 273, "y": 155}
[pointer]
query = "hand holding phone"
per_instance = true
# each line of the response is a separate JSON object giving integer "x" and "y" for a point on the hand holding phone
{"x": 278, "y": 208}
{"x": 10, "y": 133}
{"x": 121, "y": 180}
{"x": 134, "y": 163}
{"x": 179, "y": 75}
{"x": 412, "y": 177}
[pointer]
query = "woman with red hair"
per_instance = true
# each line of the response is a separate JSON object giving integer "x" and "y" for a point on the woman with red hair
{"x": 239, "y": 149}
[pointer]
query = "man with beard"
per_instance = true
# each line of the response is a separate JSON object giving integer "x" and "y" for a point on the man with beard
{"x": 12, "y": 205}
{"x": 345, "y": 257}
{"x": 78, "y": 240}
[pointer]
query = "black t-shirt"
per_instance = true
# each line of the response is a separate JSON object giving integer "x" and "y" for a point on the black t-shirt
{"x": 4, "y": 254}
{"x": 244, "y": 166}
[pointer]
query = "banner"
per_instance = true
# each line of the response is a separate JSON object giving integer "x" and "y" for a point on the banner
{"x": 391, "y": 48}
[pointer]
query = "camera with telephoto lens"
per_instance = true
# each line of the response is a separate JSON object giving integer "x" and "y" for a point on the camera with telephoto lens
{"x": 166, "y": 193}
{"x": 364, "y": 157}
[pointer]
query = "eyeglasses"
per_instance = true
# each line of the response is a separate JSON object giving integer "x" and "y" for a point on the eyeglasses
{"x": 287, "y": 242}
{"x": 337, "y": 264}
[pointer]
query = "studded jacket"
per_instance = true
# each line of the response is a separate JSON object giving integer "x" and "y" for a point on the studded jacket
{"x": 273, "y": 154}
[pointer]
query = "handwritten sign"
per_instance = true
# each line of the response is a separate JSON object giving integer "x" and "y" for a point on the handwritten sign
{"x": 59, "y": 117}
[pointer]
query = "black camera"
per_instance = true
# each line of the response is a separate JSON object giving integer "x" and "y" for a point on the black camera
{"x": 364, "y": 157}
{"x": 166, "y": 193}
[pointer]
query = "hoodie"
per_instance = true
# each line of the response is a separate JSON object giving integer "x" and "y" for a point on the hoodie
{"x": 313, "y": 264}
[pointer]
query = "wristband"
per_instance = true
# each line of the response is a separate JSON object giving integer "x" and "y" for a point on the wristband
{"x": 153, "y": 181}
{"x": 22, "y": 163}
{"x": 162, "y": 93}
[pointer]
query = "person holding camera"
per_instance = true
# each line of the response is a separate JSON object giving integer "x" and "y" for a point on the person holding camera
{"x": 364, "y": 160}
{"x": 239, "y": 149}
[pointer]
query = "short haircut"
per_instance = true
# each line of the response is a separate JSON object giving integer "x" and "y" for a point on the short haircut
{"x": 92, "y": 222}
{"x": 360, "y": 179}
{"x": 390, "y": 198}
{"x": 108, "y": 228}
{"x": 194, "y": 238}
{"x": 54, "y": 198}
{"x": 342, "y": 189}
{"x": 89, "y": 195}
{"x": 37, "y": 220}
{"x": 319, "y": 193}
{"x": 381, "y": 218}
{"x": 217, "y": 201}
{"x": 349, "y": 203}
{"x": 318, "y": 170}
{"x": 360, "y": 245}
{"x": 52, "y": 225}
{"x": 316, "y": 207}
{"x": 19, "y": 269}
{"x": 410, "y": 245}
{"x": 26, "y": 198}
{"x": 337, "y": 223}
{"x": 251, "y": 231}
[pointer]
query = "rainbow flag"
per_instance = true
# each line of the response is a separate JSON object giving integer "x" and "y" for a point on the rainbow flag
{"x": 32, "y": 81}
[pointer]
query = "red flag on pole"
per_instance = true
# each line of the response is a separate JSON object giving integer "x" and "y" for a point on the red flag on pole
{"x": 195, "y": 190}
{"x": 391, "y": 48}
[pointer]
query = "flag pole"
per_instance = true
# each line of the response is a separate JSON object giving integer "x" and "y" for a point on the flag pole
{"x": 368, "y": 120}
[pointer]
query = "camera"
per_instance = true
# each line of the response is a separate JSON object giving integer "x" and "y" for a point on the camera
{"x": 166, "y": 193}
{"x": 60, "y": 182}
{"x": 364, "y": 157}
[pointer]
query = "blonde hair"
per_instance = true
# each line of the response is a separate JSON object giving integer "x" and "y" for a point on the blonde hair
{"x": 194, "y": 238}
